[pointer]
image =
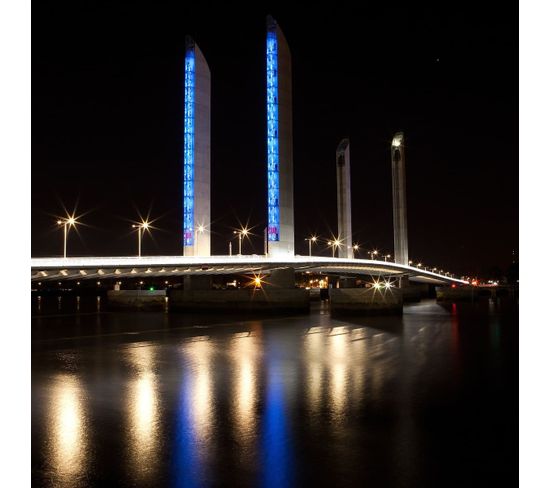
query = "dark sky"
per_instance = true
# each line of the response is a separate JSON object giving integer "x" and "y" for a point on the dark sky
{"x": 107, "y": 123}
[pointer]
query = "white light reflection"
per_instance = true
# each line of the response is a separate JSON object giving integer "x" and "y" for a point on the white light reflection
{"x": 198, "y": 393}
{"x": 338, "y": 373}
{"x": 314, "y": 345}
{"x": 143, "y": 410}
{"x": 244, "y": 352}
{"x": 68, "y": 439}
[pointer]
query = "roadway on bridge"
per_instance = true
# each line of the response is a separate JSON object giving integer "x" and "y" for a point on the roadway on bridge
{"x": 119, "y": 267}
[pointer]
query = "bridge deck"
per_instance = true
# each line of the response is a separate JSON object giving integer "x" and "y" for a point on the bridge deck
{"x": 82, "y": 268}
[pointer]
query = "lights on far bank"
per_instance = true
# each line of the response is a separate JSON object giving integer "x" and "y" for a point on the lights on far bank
{"x": 381, "y": 285}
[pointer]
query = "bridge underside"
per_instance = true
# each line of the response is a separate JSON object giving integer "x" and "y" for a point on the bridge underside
{"x": 59, "y": 269}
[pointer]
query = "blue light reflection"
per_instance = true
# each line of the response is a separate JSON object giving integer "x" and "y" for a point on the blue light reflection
{"x": 277, "y": 455}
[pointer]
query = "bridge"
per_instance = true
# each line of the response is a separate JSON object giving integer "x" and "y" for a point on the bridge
{"x": 87, "y": 268}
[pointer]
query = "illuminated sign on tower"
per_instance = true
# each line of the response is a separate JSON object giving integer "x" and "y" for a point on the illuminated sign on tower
{"x": 272, "y": 138}
{"x": 189, "y": 148}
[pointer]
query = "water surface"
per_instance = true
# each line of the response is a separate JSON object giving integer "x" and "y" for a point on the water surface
{"x": 157, "y": 399}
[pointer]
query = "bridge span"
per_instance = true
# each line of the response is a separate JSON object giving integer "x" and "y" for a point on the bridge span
{"x": 120, "y": 267}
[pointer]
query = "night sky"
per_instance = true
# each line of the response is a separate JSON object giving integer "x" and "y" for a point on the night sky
{"x": 107, "y": 130}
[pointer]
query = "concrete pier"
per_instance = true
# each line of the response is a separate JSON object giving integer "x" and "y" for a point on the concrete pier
{"x": 243, "y": 300}
{"x": 366, "y": 301}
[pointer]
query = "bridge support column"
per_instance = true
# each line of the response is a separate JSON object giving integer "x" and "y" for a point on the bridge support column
{"x": 197, "y": 282}
{"x": 281, "y": 278}
{"x": 346, "y": 282}
{"x": 401, "y": 246}
{"x": 343, "y": 181}
{"x": 366, "y": 301}
{"x": 278, "y": 294}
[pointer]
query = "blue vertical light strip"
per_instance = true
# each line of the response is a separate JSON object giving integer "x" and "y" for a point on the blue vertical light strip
{"x": 189, "y": 148}
{"x": 273, "y": 223}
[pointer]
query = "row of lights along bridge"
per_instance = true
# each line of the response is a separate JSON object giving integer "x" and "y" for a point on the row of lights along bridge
{"x": 241, "y": 235}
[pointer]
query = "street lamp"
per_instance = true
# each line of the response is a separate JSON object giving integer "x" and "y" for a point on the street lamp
{"x": 241, "y": 233}
{"x": 355, "y": 247}
{"x": 141, "y": 228}
{"x": 387, "y": 256}
{"x": 335, "y": 243}
{"x": 373, "y": 253}
{"x": 310, "y": 240}
{"x": 66, "y": 223}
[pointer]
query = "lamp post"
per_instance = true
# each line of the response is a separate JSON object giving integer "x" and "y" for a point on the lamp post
{"x": 66, "y": 223}
{"x": 336, "y": 243}
{"x": 372, "y": 254}
{"x": 387, "y": 256}
{"x": 355, "y": 247}
{"x": 241, "y": 233}
{"x": 310, "y": 240}
{"x": 140, "y": 228}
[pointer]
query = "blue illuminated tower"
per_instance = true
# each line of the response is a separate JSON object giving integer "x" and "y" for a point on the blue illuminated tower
{"x": 280, "y": 196}
{"x": 196, "y": 153}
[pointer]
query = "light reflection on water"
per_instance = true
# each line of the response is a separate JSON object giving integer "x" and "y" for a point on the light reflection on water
{"x": 194, "y": 413}
{"x": 68, "y": 435}
{"x": 217, "y": 400}
{"x": 142, "y": 412}
{"x": 244, "y": 353}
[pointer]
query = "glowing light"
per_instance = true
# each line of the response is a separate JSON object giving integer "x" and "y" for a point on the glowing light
{"x": 397, "y": 140}
{"x": 201, "y": 228}
{"x": 189, "y": 148}
{"x": 377, "y": 285}
{"x": 67, "y": 423}
{"x": 257, "y": 281}
{"x": 145, "y": 225}
{"x": 355, "y": 247}
{"x": 314, "y": 239}
{"x": 143, "y": 412}
{"x": 273, "y": 211}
